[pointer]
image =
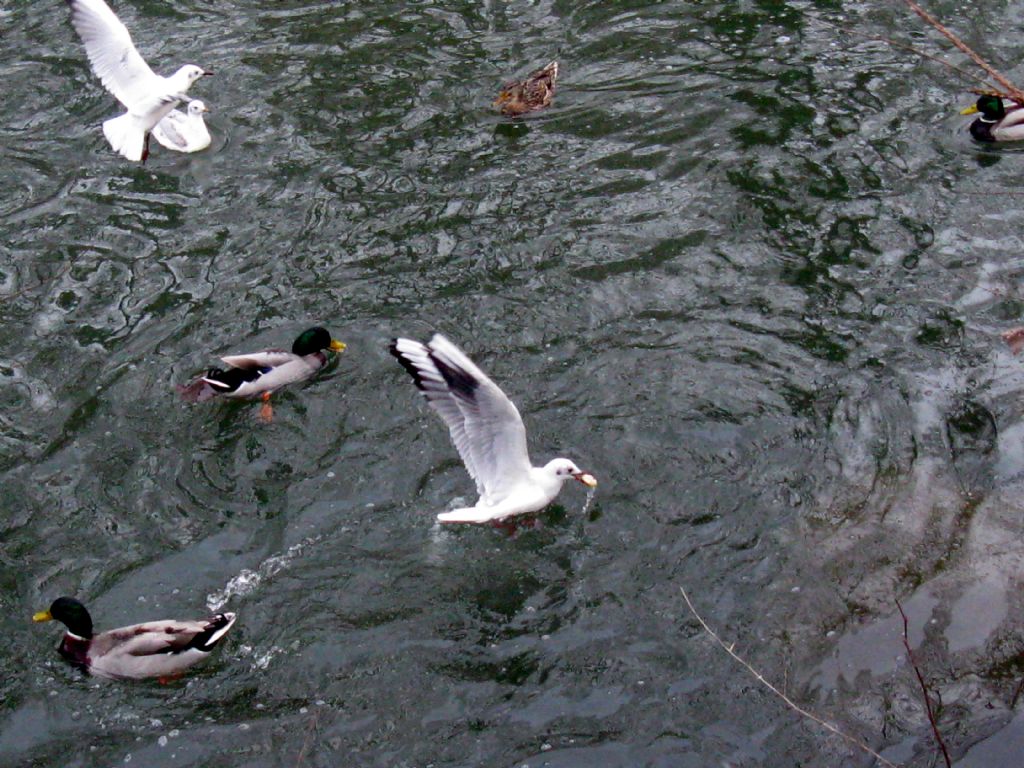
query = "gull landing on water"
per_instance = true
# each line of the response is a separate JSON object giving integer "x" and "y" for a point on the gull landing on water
{"x": 147, "y": 96}
{"x": 184, "y": 131}
{"x": 487, "y": 431}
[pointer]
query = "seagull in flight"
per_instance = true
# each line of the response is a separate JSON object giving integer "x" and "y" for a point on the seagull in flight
{"x": 487, "y": 431}
{"x": 147, "y": 96}
{"x": 184, "y": 131}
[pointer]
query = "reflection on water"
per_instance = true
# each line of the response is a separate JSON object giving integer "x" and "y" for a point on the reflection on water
{"x": 750, "y": 271}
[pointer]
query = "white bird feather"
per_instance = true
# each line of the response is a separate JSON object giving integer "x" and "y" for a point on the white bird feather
{"x": 488, "y": 433}
{"x": 146, "y": 96}
{"x": 184, "y": 131}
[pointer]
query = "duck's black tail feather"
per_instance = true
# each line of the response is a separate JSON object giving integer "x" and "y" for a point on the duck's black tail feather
{"x": 214, "y": 632}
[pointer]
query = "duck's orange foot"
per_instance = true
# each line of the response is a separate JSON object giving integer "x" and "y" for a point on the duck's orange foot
{"x": 1015, "y": 339}
{"x": 267, "y": 410}
{"x": 168, "y": 679}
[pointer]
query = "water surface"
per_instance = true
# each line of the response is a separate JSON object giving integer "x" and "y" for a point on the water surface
{"x": 748, "y": 269}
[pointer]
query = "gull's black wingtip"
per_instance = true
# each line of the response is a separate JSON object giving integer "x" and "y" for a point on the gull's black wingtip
{"x": 459, "y": 381}
{"x": 411, "y": 369}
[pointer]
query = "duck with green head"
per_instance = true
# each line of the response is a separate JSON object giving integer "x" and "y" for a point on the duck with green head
{"x": 996, "y": 122}
{"x": 258, "y": 374}
{"x": 162, "y": 649}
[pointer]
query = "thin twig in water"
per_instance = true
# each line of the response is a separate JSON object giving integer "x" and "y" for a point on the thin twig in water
{"x": 310, "y": 729}
{"x": 789, "y": 702}
{"x": 923, "y": 54}
{"x": 924, "y": 689}
{"x": 40, "y": 284}
{"x": 993, "y": 193}
{"x": 1013, "y": 90}
{"x": 1016, "y": 694}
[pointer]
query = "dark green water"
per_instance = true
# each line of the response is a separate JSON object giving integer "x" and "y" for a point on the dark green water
{"x": 748, "y": 270}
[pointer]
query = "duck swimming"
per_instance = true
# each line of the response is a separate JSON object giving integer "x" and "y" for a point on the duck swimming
{"x": 997, "y": 122}
{"x": 162, "y": 649}
{"x": 259, "y": 374}
{"x": 535, "y": 92}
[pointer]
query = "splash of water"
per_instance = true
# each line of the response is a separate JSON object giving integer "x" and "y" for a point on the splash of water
{"x": 247, "y": 581}
{"x": 588, "y": 503}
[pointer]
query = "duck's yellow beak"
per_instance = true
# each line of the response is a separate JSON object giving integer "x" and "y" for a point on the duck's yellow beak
{"x": 971, "y": 110}
{"x": 587, "y": 479}
{"x": 42, "y": 616}
{"x": 337, "y": 346}
{"x": 502, "y": 98}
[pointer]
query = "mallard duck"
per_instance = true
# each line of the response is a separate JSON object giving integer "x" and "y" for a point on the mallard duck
{"x": 259, "y": 374}
{"x": 998, "y": 122}
{"x": 153, "y": 649}
{"x": 184, "y": 131}
{"x": 488, "y": 434}
{"x": 535, "y": 92}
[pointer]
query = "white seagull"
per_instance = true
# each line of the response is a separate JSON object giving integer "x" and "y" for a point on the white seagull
{"x": 487, "y": 431}
{"x": 147, "y": 96}
{"x": 184, "y": 131}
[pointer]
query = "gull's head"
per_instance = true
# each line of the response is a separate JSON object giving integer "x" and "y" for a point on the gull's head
{"x": 564, "y": 470}
{"x": 196, "y": 107}
{"x": 190, "y": 73}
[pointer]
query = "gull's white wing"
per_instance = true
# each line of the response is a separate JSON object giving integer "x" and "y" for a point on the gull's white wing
{"x": 484, "y": 424}
{"x": 112, "y": 55}
{"x": 415, "y": 358}
{"x": 169, "y": 131}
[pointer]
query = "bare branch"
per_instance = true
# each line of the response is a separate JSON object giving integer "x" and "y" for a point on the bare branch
{"x": 1016, "y": 694}
{"x": 1013, "y": 90}
{"x": 789, "y": 702}
{"x": 924, "y": 689}
{"x": 923, "y": 54}
{"x": 310, "y": 730}
{"x": 27, "y": 288}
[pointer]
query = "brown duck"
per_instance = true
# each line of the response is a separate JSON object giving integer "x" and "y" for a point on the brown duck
{"x": 529, "y": 95}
